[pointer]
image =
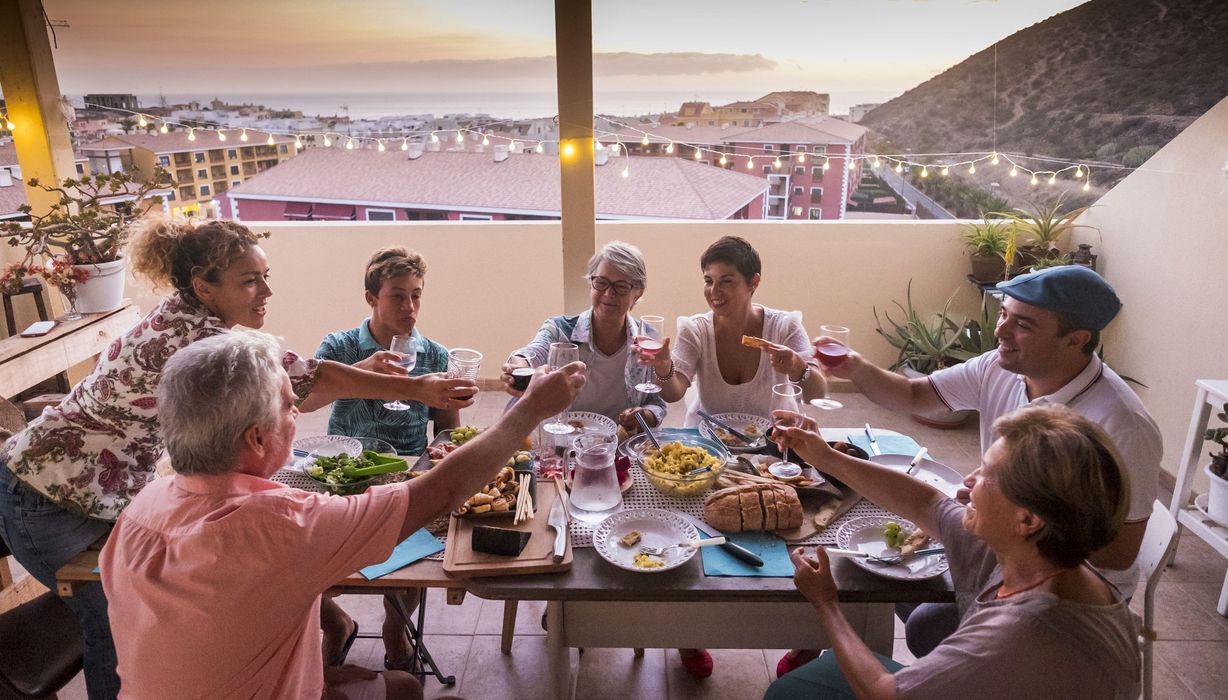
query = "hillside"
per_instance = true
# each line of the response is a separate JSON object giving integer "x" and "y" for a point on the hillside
{"x": 1108, "y": 81}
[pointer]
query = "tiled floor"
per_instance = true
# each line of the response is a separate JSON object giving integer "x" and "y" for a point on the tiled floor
{"x": 464, "y": 639}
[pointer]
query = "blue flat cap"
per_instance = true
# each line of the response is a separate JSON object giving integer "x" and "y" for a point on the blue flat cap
{"x": 1072, "y": 290}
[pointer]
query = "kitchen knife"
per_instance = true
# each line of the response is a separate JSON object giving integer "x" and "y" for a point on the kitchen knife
{"x": 873, "y": 442}
{"x": 558, "y": 522}
{"x": 734, "y": 549}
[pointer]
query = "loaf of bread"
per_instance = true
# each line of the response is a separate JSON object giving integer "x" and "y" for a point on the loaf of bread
{"x": 753, "y": 507}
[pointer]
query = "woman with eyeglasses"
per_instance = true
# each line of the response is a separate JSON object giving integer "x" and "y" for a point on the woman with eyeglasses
{"x": 604, "y": 333}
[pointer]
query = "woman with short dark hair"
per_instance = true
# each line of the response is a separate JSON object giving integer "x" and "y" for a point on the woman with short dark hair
{"x": 1038, "y": 619}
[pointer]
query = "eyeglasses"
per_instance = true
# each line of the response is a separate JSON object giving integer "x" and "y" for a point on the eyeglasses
{"x": 601, "y": 284}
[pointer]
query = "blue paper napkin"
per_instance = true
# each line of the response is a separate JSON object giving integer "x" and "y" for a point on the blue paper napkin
{"x": 97, "y": 570}
{"x": 889, "y": 444}
{"x": 770, "y": 548}
{"x": 418, "y": 545}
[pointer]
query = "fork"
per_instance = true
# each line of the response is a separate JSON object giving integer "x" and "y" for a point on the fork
{"x": 692, "y": 544}
{"x": 887, "y": 560}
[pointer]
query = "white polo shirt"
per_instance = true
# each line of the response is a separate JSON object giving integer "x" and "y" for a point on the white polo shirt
{"x": 1097, "y": 393}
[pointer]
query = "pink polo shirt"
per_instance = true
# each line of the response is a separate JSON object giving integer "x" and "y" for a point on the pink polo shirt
{"x": 214, "y": 582}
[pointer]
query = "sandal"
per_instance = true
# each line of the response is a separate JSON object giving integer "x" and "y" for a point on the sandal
{"x": 792, "y": 661}
{"x": 345, "y": 648}
{"x": 696, "y": 662}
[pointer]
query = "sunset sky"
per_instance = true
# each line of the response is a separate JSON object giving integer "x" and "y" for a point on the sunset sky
{"x": 689, "y": 46}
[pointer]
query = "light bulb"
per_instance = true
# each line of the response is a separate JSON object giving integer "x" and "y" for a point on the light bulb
{"x": 434, "y": 137}
{"x": 1087, "y": 184}
{"x": 597, "y": 144}
{"x": 616, "y": 148}
{"x": 191, "y": 134}
{"x": 776, "y": 163}
{"x": 298, "y": 143}
{"x": 380, "y": 147}
{"x": 1053, "y": 178}
{"x": 626, "y": 172}
{"x": 349, "y": 143}
{"x": 1034, "y": 180}
{"x": 750, "y": 163}
{"x": 925, "y": 171}
{"x": 971, "y": 168}
{"x": 1014, "y": 171}
{"x": 724, "y": 160}
{"x": 540, "y": 147}
{"x": 994, "y": 160}
{"x": 669, "y": 148}
{"x": 8, "y": 124}
{"x": 404, "y": 144}
{"x": 945, "y": 170}
{"x": 698, "y": 153}
{"x": 485, "y": 140}
{"x": 1079, "y": 171}
{"x": 801, "y": 157}
{"x": 644, "y": 141}
{"x": 569, "y": 149}
{"x": 221, "y": 135}
{"x": 877, "y": 162}
{"x": 271, "y": 141}
{"x": 141, "y": 122}
{"x": 164, "y": 128}
{"x": 243, "y": 136}
{"x": 460, "y": 136}
{"x": 827, "y": 163}
{"x": 899, "y": 166}
{"x": 327, "y": 141}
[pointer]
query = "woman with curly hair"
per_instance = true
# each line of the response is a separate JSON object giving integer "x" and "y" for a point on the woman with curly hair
{"x": 66, "y": 477}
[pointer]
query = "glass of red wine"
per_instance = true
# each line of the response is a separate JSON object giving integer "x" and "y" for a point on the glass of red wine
{"x": 651, "y": 342}
{"x": 521, "y": 377}
{"x": 831, "y": 352}
{"x": 464, "y": 363}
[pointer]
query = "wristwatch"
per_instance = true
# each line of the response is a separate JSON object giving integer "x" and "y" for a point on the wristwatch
{"x": 805, "y": 375}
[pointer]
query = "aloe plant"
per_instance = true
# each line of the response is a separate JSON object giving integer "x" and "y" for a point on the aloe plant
{"x": 986, "y": 237}
{"x": 1045, "y": 224}
{"x": 927, "y": 342}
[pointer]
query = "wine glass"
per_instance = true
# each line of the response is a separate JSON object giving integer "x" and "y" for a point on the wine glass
{"x": 831, "y": 353}
{"x": 464, "y": 363}
{"x": 561, "y": 355}
{"x": 650, "y": 344}
{"x": 787, "y": 395}
{"x": 406, "y": 348}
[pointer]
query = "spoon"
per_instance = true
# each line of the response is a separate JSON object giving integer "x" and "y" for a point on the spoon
{"x": 639, "y": 417}
{"x": 746, "y": 439}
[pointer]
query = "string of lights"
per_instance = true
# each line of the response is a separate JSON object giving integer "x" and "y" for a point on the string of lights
{"x": 924, "y": 165}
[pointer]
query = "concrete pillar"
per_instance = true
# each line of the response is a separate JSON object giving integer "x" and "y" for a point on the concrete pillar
{"x": 32, "y": 95}
{"x": 573, "y": 40}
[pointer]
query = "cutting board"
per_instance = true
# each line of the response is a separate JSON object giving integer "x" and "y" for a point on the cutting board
{"x": 825, "y": 505}
{"x": 460, "y": 559}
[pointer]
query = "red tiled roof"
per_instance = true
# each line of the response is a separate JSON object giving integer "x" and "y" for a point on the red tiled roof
{"x": 657, "y": 187}
{"x": 177, "y": 141}
{"x": 704, "y": 135}
{"x": 826, "y": 130}
{"x": 693, "y": 109}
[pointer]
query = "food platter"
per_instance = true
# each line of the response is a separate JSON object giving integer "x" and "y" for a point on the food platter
{"x": 746, "y": 423}
{"x": 865, "y": 534}
{"x": 324, "y": 446}
{"x": 936, "y": 474}
{"x": 657, "y": 528}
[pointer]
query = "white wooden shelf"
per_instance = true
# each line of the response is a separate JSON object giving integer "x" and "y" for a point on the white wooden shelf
{"x": 1210, "y": 396}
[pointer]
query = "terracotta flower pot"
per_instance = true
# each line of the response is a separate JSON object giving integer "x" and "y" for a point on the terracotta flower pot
{"x": 988, "y": 268}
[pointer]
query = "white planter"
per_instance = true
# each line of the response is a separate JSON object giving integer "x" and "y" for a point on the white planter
{"x": 941, "y": 419}
{"x": 1217, "y": 498}
{"x": 104, "y": 290}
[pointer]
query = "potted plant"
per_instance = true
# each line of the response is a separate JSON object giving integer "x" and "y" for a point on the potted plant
{"x": 987, "y": 243}
{"x": 1040, "y": 230}
{"x": 87, "y": 229}
{"x": 1217, "y": 471}
{"x": 931, "y": 341}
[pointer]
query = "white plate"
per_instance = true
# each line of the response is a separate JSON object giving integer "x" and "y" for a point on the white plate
{"x": 936, "y": 474}
{"x": 323, "y": 446}
{"x": 739, "y": 422}
{"x": 1201, "y": 503}
{"x": 865, "y": 534}
{"x": 657, "y": 528}
{"x": 593, "y": 422}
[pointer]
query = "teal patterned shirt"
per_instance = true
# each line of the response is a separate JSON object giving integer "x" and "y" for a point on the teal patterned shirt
{"x": 404, "y": 430}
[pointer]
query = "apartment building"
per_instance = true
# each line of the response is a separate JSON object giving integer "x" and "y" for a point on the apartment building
{"x": 205, "y": 166}
{"x": 12, "y": 183}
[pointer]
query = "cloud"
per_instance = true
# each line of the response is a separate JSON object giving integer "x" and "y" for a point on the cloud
{"x": 680, "y": 63}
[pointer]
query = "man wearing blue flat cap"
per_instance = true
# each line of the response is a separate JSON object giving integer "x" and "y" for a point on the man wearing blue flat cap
{"x": 1047, "y": 332}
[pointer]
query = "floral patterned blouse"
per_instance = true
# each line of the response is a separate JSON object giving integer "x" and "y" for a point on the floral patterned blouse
{"x": 98, "y": 448}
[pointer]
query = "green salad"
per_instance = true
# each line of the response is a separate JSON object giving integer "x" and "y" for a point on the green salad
{"x": 339, "y": 470}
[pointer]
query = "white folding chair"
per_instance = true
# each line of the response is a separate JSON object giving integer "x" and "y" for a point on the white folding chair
{"x": 1159, "y": 546}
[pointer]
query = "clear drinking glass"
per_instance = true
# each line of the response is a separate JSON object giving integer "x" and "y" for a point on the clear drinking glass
{"x": 464, "y": 363}
{"x": 594, "y": 490}
{"x": 831, "y": 353}
{"x": 787, "y": 395}
{"x": 561, "y": 355}
{"x": 651, "y": 342}
{"x": 406, "y": 348}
